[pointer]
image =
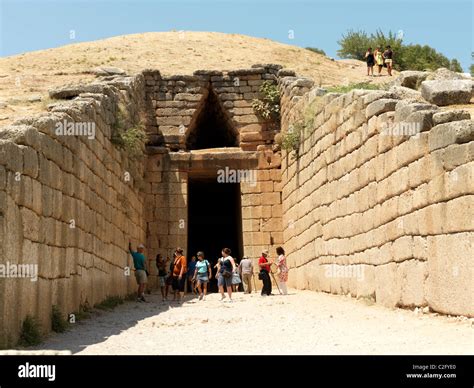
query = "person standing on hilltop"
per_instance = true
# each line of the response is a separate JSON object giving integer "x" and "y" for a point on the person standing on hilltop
{"x": 388, "y": 57}
{"x": 370, "y": 59}
{"x": 264, "y": 274}
{"x": 379, "y": 59}
{"x": 139, "y": 262}
{"x": 179, "y": 274}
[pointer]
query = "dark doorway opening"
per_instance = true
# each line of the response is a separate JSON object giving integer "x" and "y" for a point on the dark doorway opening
{"x": 213, "y": 127}
{"x": 214, "y": 220}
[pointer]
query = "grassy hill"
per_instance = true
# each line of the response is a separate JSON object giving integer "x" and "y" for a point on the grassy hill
{"x": 26, "y": 77}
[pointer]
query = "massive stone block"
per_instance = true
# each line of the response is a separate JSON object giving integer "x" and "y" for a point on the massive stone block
{"x": 447, "y": 92}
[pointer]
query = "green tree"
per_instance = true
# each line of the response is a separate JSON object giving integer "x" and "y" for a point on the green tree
{"x": 417, "y": 57}
{"x": 471, "y": 69}
{"x": 354, "y": 44}
{"x": 455, "y": 66}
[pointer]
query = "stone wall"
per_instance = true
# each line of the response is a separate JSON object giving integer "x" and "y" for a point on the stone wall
{"x": 377, "y": 201}
{"x": 69, "y": 204}
{"x": 359, "y": 210}
{"x": 174, "y": 104}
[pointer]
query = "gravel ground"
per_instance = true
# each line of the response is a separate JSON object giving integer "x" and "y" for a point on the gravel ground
{"x": 302, "y": 322}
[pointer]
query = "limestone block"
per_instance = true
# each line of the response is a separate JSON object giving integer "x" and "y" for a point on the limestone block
{"x": 447, "y": 92}
{"x": 459, "y": 181}
{"x": 178, "y": 200}
{"x": 413, "y": 274}
{"x": 272, "y": 225}
{"x": 447, "y": 116}
{"x": 457, "y": 154}
{"x": 26, "y": 191}
{"x": 449, "y": 284}
{"x": 242, "y": 103}
{"x": 450, "y": 133}
{"x": 458, "y": 215}
{"x": 30, "y": 162}
{"x": 177, "y": 228}
{"x": 253, "y": 199}
{"x": 249, "y": 212}
{"x": 31, "y": 224}
{"x": 388, "y": 290}
{"x": 405, "y": 108}
{"x": 246, "y": 119}
{"x": 250, "y": 225}
{"x": 11, "y": 156}
{"x": 266, "y": 211}
{"x": 380, "y": 106}
{"x": 44, "y": 293}
{"x": 270, "y": 198}
{"x": 411, "y": 79}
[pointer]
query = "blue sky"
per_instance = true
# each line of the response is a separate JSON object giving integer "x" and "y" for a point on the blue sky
{"x": 445, "y": 25}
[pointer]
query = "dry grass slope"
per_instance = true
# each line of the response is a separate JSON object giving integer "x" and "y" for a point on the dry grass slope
{"x": 25, "y": 77}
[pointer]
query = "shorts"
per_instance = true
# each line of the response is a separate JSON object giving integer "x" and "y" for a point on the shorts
{"x": 203, "y": 278}
{"x": 178, "y": 285}
{"x": 141, "y": 277}
{"x": 223, "y": 281}
{"x": 162, "y": 280}
{"x": 370, "y": 64}
{"x": 388, "y": 61}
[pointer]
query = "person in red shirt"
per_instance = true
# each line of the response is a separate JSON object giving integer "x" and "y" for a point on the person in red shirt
{"x": 264, "y": 275}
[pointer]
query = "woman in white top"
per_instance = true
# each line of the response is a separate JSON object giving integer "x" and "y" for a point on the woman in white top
{"x": 282, "y": 270}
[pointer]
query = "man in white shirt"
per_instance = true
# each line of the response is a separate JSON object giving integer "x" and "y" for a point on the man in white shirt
{"x": 246, "y": 273}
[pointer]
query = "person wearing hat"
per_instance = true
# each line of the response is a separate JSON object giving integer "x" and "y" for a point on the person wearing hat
{"x": 139, "y": 262}
{"x": 264, "y": 274}
{"x": 246, "y": 273}
{"x": 202, "y": 274}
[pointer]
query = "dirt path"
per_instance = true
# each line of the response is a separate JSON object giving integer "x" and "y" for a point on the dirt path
{"x": 303, "y": 322}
